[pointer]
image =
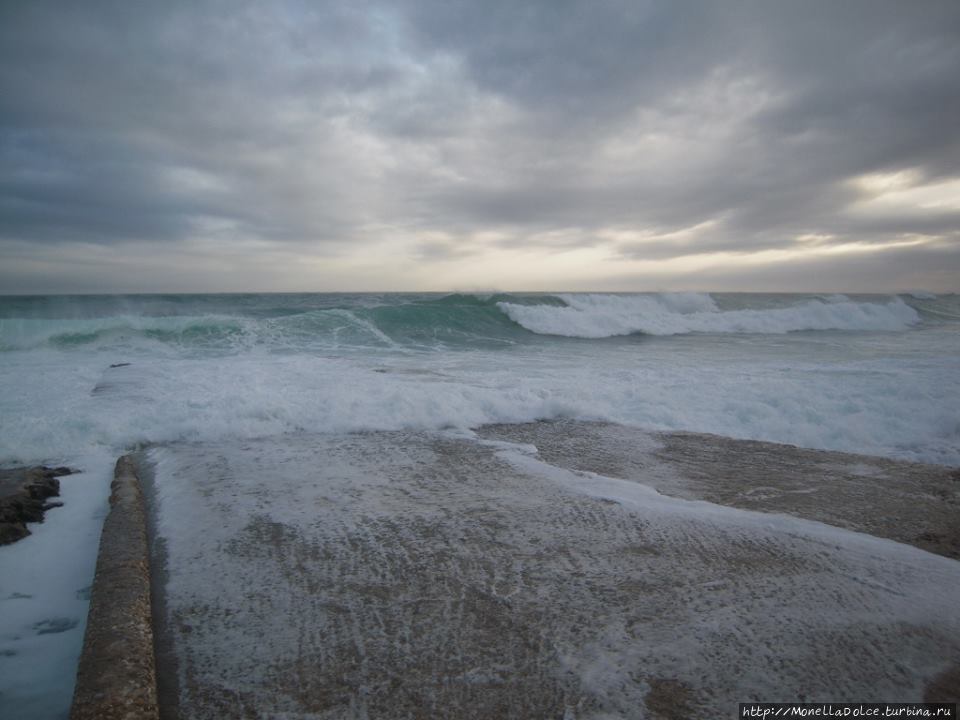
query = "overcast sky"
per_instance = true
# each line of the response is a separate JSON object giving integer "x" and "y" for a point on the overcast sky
{"x": 489, "y": 144}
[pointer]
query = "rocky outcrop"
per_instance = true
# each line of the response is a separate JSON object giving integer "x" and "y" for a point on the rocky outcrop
{"x": 24, "y": 494}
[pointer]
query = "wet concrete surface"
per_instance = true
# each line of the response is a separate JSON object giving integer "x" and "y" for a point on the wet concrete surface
{"x": 430, "y": 575}
{"x": 116, "y": 676}
{"x": 908, "y": 502}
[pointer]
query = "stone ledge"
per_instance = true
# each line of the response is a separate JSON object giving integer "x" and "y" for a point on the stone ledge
{"x": 117, "y": 677}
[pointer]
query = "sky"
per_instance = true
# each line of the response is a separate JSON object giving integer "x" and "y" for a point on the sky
{"x": 622, "y": 145}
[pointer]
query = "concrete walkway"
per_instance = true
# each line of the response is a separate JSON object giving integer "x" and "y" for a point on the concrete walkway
{"x": 422, "y": 575}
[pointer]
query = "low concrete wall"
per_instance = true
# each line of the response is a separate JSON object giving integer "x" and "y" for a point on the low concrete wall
{"x": 117, "y": 676}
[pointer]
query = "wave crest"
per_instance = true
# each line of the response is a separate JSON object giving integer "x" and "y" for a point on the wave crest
{"x": 600, "y": 316}
{"x": 30, "y": 333}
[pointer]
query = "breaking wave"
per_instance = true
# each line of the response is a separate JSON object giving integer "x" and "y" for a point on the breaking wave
{"x": 600, "y": 316}
{"x": 458, "y": 321}
{"x": 107, "y": 372}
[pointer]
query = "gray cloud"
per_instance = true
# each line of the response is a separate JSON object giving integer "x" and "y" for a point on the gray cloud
{"x": 854, "y": 88}
{"x": 548, "y": 122}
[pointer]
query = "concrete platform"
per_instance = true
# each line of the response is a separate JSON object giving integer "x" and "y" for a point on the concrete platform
{"x": 430, "y": 575}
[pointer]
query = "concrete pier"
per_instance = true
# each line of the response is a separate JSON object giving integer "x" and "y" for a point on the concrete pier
{"x": 425, "y": 575}
{"x": 116, "y": 678}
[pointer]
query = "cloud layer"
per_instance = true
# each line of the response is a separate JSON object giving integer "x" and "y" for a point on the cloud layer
{"x": 430, "y": 144}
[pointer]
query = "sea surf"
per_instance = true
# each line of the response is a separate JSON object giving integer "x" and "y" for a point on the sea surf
{"x": 84, "y": 379}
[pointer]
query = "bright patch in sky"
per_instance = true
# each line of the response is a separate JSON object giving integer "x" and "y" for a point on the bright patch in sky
{"x": 905, "y": 192}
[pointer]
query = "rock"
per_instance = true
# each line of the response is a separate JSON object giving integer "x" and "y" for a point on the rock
{"x": 10, "y": 532}
{"x": 23, "y": 498}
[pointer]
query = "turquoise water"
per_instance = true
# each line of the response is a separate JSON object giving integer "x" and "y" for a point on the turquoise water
{"x": 872, "y": 374}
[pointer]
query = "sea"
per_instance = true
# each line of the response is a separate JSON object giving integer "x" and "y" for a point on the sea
{"x": 85, "y": 378}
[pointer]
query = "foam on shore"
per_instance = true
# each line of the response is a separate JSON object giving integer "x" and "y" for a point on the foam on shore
{"x": 382, "y": 572}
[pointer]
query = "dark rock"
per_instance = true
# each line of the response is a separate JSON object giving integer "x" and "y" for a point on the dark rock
{"x": 23, "y": 498}
{"x": 11, "y": 532}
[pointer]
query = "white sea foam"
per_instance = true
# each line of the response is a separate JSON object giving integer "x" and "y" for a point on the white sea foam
{"x": 45, "y": 595}
{"x": 891, "y": 394}
{"x": 883, "y": 407}
{"x": 599, "y": 316}
{"x": 778, "y": 585}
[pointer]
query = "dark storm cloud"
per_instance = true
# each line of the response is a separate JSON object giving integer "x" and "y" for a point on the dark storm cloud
{"x": 104, "y": 103}
{"x": 551, "y": 123}
{"x": 84, "y": 186}
{"x": 595, "y": 59}
{"x": 855, "y": 88}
